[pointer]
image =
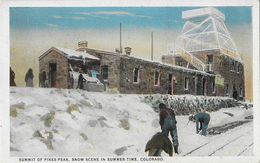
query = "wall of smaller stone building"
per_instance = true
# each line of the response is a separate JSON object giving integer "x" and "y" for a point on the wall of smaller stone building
{"x": 180, "y": 62}
{"x": 183, "y": 62}
{"x": 203, "y": 55}
{"x": 62, "y": 68}
{"x": 169, "y": 59}
{"x": 146, "y": 82}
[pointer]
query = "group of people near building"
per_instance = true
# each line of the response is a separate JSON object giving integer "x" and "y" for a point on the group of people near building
{"x": 160, "y": 141}
{"x": 29, "y": 77}
{"x": 43, "y": 80}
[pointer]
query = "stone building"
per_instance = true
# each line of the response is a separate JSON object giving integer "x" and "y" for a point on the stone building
{"x": 209, "y": 66}
{"x": 131, "y": 74}
{"x": 58, "y": 62}
{"x": 206, "y": 44}
{"x": 125, "y": 72}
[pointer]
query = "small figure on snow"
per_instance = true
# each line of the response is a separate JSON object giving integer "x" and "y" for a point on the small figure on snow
{"x": 12, "y": 77}
{"x": 203, "y": 118}
{"x": 157, "y": 144}
{"x": 80, "y": 80}
{"x": 29, "y": 78}
{"x": 43, "y": 78}
{"x": 168, "y": 124}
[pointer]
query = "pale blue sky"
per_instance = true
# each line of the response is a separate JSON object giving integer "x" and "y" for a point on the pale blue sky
{"x": 34, "y": 30}
{"x": 110, "y": 17}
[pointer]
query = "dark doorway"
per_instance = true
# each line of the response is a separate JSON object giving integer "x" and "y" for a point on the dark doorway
{"x": 104, "y": 72}
{"x": 195, "y": 78}
{"x": 52, "y": 74}
{"x": 204, "y": 87}
{"x": 210, "y": 63}
{"x": 171, "y": 82}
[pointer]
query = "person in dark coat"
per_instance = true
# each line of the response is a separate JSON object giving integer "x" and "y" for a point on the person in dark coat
{"x": 29, "y": 78}
{"x": 168, "y": 124}
{"x": 202, "y": 121}
{"x": 12, "y": 77}
{"x": 80, "y": 81}
{"x": 157, "y": 144}
{"x": 43, "y": 78}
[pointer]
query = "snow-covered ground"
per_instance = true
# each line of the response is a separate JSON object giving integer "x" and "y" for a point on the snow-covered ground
{"x": 57, "y": 122}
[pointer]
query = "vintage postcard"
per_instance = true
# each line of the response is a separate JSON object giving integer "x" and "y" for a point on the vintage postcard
{"x": 124, "y": 82}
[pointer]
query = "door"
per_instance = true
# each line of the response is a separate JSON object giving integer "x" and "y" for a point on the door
{"x": 171, "y": 82}
{"x": 204, "y": 87}
{"x": 52, "y": 74}
{"x": 195, "y": 78}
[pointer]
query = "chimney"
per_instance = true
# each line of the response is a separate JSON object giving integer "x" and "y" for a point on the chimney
{"x": 117, "y": 50}
{"x": 128, "y": 50}
{"x": 83, "y": 44}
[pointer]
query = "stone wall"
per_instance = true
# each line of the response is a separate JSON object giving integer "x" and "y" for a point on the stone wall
{"x": 231, "y": 77}
{"x": 185, "y": 105}
{"x": 146, "y": 82}
{"x": 62, "y": 67}
{"x": 120, "y": 74}
{"x": 113, "y": 62}
{"x": 222, "y": 66}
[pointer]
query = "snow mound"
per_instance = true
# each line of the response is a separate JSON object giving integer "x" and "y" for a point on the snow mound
{"x": 189, "y": 104}
{"x": 61, "y": 122}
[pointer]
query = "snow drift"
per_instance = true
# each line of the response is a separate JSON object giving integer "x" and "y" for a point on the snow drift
{"x": 61, "y": 122}
{"x": 189, "y": 104}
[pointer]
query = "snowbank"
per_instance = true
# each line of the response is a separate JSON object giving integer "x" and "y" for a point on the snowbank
{"x": 60, "y": 122}
{"x": 188, "y": 104}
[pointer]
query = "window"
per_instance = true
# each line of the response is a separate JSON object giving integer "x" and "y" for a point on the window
{"x": 210, "y": 63}
{"x": 238, "y": 68}
{"x": 232, "y": 65}
{"x": 210, "y": 59}
{"x": 226, "y": 90}
{"x": 136, "y": 75}
{"x": 240, "y": 91}
{"x": 170, "y": 78}
{"x": 179, "y": 63}
{"x": 213, "y": 86}
{"x": 104, "y": 72}
{"x": 186, "y": 83}
{"x": 156, "y": 78}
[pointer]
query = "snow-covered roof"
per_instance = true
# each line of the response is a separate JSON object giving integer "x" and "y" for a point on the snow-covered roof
{"x": 170, "y": 65}
{"x": 71, "y": 54}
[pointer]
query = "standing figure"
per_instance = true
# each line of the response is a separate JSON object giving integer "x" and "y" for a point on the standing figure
{"x": 29, "y": 78}
{"x": 168, "y": 124}
{"x": 43, "y": 78}
{"x": 203, "y": 118}
{"x": 157, "y": 144}
{"x": 80, "y": 80}
{"x": 12, "y": 77}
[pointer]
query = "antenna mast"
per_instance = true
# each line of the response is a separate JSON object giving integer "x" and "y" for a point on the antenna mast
{"x": 152, "y": 46}
{"x": 120, "y": 38}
